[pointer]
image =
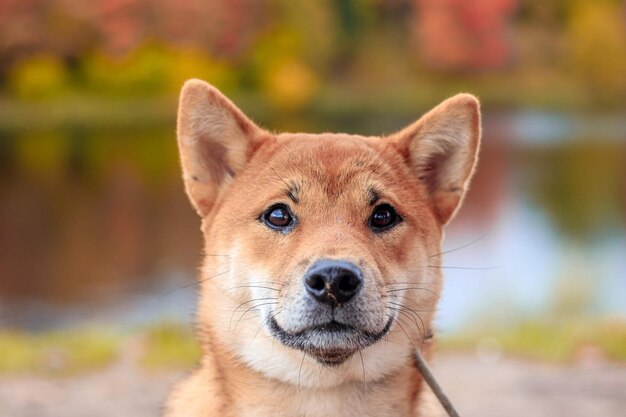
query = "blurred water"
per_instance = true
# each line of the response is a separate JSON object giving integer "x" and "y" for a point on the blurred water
{"x": 101, "y": 232}
{"x": 555, "y": 245}
{"x": 533, "y": 265}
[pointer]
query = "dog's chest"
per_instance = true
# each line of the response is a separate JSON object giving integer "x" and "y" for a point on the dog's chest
{"x": 342, "y": 403}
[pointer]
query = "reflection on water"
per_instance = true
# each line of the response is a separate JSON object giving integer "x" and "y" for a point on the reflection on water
{"x": 95, "y": 226}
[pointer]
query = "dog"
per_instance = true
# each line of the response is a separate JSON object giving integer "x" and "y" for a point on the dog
{"x": 321, "y": 269}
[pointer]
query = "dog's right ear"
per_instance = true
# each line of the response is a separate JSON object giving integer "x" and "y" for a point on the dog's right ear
{"x": 442, "y": 149}
{"x": 215, "y": 140}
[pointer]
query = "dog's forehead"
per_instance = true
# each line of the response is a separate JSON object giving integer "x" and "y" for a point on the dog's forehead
{"x": 324, "y": 137}
{"x": 328, "y": 155}
{"x": 334, "y": 162}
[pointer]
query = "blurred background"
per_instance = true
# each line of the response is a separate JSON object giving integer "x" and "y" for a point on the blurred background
{"x": 99, "y": 246}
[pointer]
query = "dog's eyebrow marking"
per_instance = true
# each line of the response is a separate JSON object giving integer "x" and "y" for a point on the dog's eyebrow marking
{"x": 292, "y": 192}
{"x": 374, "y": 195}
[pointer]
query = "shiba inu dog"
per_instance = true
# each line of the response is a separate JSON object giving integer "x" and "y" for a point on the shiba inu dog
{"x": 322, "y": 254}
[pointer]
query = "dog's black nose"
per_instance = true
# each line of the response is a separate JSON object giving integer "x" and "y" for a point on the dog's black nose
{"x": 332, "y": 281}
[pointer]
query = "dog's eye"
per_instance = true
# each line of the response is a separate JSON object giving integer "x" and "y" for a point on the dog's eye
{"x": 278, "y": 217}
{"x": 383, "y": 218}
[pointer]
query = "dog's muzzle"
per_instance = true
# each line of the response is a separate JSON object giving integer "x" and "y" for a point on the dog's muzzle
{"x": 334, "y": 326}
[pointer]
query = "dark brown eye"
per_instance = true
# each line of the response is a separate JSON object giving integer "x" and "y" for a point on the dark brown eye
{"x": 383, "y": 218}
{"x": 278, "y": 217}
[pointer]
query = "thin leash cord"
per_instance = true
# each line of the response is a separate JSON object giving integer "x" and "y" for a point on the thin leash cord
{"x": 434, "y": 386}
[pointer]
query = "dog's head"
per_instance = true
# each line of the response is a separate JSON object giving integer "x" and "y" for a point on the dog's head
{"x": 326, "y": 243}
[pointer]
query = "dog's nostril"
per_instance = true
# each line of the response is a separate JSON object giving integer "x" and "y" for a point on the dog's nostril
{"x": 315, "y": 282}
{"x": 348, "y": 283}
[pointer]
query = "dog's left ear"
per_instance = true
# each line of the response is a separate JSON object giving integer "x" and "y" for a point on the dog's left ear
{"x": 442, "y": 149}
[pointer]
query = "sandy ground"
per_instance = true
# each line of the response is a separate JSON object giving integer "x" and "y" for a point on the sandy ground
{"x": 485, "y": 388}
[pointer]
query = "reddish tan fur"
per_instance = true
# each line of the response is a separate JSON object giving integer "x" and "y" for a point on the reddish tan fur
{"x": 234, "y": 170}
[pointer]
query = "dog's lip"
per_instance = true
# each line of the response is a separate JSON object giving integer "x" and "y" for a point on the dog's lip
{"x": 328, "y": 355}
{"x": 332, "y": 327}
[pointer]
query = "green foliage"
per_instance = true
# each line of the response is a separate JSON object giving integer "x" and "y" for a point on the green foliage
{"x": 42, "y": 153}
{"x": 151, "y": 153}
{"x": 550, "y": 13}
{"x": 611, "y": 337}
{"x": 596, "y": 38}
{"x": 316, "y": 35}
{"x": 165, "y": 346}
{"x": 170, "y": 346}
{"x": 541, "y": 340}
{"x": 578, "y": 184}
{"x": 152, "y": 69}
{"x": 58, "y": 353}
{"x": 562, "y": 54}
{"x": 38, "y": 77}
{"x": 186, "y": 63}
{"x": 17, "y": 353}
{"x": 559, "y": 341}
{"x": 142, "y": 71}
{"x": 50, "y": 155}
{"x": 289, "y": 84}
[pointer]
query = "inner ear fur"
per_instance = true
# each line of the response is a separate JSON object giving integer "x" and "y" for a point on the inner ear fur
{"x": 215, "y": 141}
{"x": 442, "y": 150}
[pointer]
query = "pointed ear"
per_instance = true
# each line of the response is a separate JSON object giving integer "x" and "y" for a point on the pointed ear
{"x": 215, "y": 140}
{"x": 442, "y": 149}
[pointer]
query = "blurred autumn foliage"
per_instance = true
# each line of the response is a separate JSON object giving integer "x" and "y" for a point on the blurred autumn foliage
{"x": 461, "y": 35}
{"x": 554, "y": 53}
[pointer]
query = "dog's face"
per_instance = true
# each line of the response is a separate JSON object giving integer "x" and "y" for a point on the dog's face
{"x": 328, "y": 244}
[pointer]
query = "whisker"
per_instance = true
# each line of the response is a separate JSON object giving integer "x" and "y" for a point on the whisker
{"x": 419, "y": 330}
{"x": 386, "y": 339}
{"x": 191, "y": 284}
{"x": 252, "y": 286}
{"x": 421, "y": 337}
{"x": 397, "y": 321}
{"x": 363, "y": 366}
{"x": 300, "y": 371}
{"x": 478, "y": 239}
{"x": 266, "y": 321}
{"x": 213, "y": 276}
{"x": 411, "y": 317}
{"x": 392, "y": 317}
{"x": 413, "y": 288}
{"x": 281, "y": 284}
{"x": 253, "y": 300}
{"x": 479, "y": 268}
{"x": 253, "y": 307}
{"x": 417, "y": 314}
{"x": 246, "y": 302}
{"x": 256, "y": 316}
{"x": 280, "y": 178}
{"x": 414, "y": 310}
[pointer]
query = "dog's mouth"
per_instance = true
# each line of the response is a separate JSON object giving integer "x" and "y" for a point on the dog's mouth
{"x": 331, "y": 343}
